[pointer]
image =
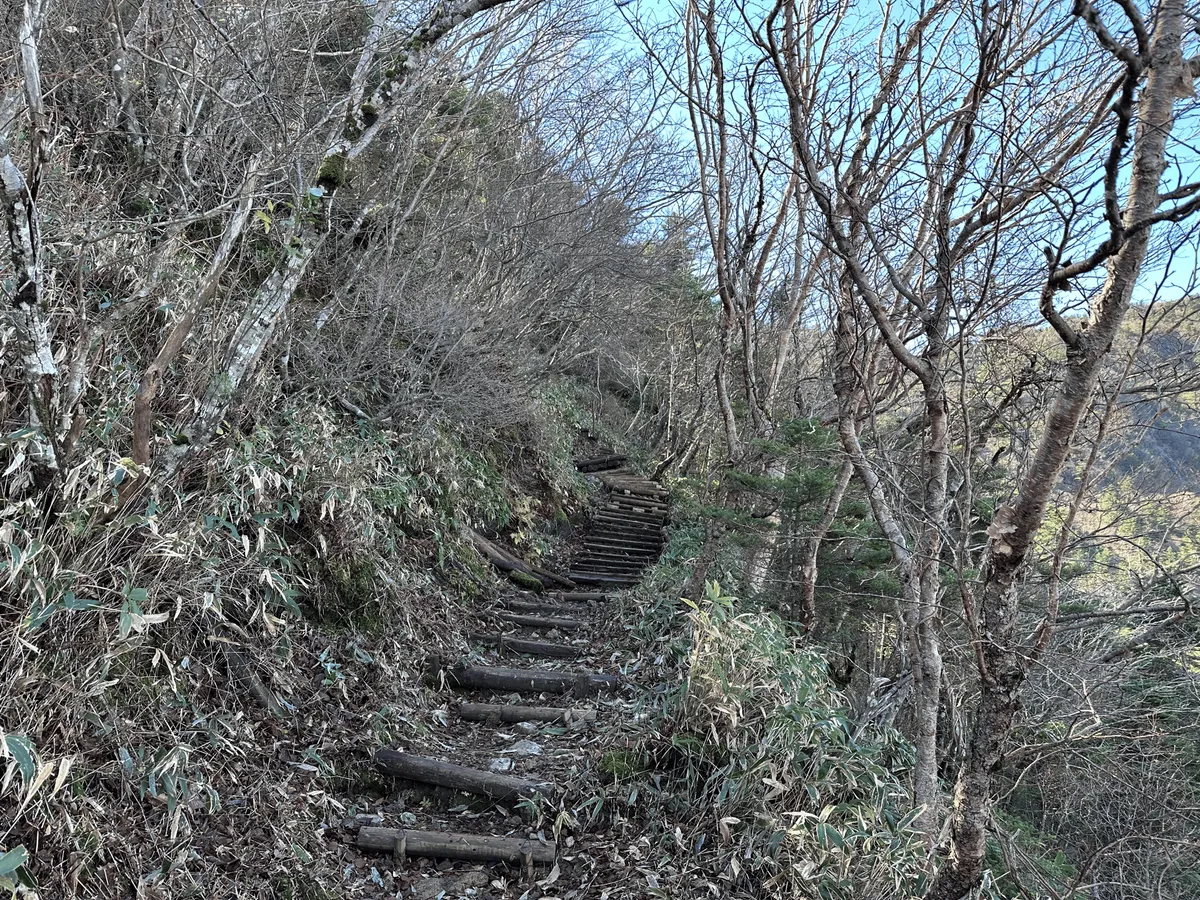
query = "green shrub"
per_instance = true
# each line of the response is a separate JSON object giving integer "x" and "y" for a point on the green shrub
{"x": 792, "y": 798}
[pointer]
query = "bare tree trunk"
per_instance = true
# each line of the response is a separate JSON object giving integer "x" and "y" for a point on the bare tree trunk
{"x": 1002, "y": 659}
{"x": 246, "y": 347}
{"x": 807, "y": 602}
{"x": 31, "y": 325}
{"x": 721, "y": 379}
{"x": 151, "y": 381}
{"x": 922, "y": 655}
{"x": 764, "y": 554}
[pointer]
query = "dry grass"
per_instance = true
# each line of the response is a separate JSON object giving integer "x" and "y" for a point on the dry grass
{"x": 174, "y": 718}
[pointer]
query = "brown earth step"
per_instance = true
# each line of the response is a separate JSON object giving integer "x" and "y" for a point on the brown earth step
{"x": 402, "y": 842}
{"x": 507, "y": 712}
{"x": 533, "y": 648}
{"x": 500, "y": 678}
{"x": 411, "y": 767}
{"x": 542, "y": 622}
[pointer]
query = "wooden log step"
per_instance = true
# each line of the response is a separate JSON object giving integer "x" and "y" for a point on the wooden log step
{"x": 646, "y": 551}
{"x": 618, "y": 494}
{"x": 617, "y": 556}
{"x": 636, "y": 488}
{"x": 628, "y": 519}
{"x": 504, "y": 712}
{"x": 600, "y": 463}
{"x": 533, "y": 648}
{"x": 622, "y": 562}
{"x": 640, "y": 538}
{"x": 620, "y": 549}
{"x": 581, "y": 596}
{"x": 637, "y": 562}
{"x": 626, "y": 530}
{"x": 615, "y": 508}
{"x": 611, "y": 531}
{"x": 641, "y": 543}
{"x": 500, "y": 678}
{"x": 640, "y": 557}
{"x": 629, "y": 489}
{"x": 637, "y": 507}
{"x": 460, "y": 778}
{"x": 586, "y": 577}
{"x": 632, "y": 536}
{"x": 628, "y": 562}
{"x": 403, "y": 842}
{"x": 517, "y": 604}
{"x": 625, "y": 501}
{"x": 592, "y": 562}
{"x": 543, "y": 622}
{"x": 599, "y": 567}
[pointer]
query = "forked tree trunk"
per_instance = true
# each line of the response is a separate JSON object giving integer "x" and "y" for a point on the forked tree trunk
{"x": 148, "y": 387}
{"x": 1002, "y": 658}
{"x": 249, "y": 341}
{"x": 806, "y": 603}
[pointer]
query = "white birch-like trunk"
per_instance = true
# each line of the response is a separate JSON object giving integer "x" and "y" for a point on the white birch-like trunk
{"x": 29, "y": 319}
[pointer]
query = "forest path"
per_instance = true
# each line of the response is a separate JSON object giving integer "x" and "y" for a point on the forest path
{"x": 500, "y": 780}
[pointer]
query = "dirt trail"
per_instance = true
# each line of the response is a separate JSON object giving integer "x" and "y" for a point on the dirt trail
{"x": 524, "y": 712}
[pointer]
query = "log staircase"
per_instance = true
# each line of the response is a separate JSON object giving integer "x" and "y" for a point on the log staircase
{"x": 624, "y": 537}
